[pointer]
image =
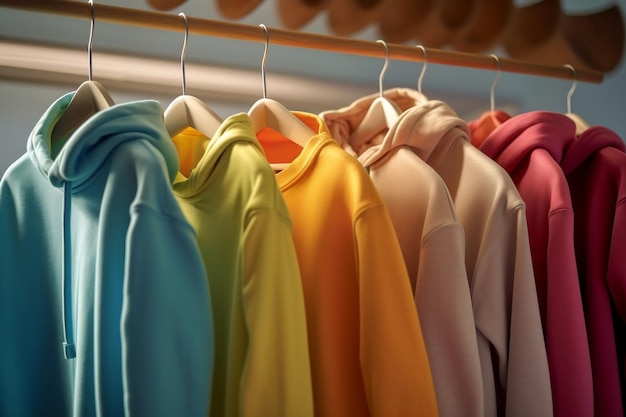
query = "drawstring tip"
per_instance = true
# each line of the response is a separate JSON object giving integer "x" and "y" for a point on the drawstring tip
{"x": 70, "y": 350}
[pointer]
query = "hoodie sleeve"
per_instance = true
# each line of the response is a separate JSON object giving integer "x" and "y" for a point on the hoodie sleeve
{"x": 166, "y": 322}
{"x": 510, "y": 335}
{"x": 616, "y": 273}
{"x": 277, "y": 378}
{"x": 396, "y": 371}
{"x": 445, "y": 311}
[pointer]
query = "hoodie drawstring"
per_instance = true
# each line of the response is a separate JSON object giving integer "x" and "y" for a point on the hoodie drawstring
{"x": 69, "y": 348}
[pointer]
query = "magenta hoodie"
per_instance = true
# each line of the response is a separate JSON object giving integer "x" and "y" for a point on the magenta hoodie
{"x": 530, "y": 148}
{"x": 595, "y": 166}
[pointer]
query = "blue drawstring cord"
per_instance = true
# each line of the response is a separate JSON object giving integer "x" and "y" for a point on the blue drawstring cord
{"x": 69, "y": 348}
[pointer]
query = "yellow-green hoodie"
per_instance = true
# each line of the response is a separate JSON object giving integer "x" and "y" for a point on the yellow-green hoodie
{"x": 229, "y": 195}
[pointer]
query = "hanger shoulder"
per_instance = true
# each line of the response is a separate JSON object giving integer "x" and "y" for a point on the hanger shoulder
{"x": 381, "y": 115}
{"x": 270, "y": 113}
{"x": 90, "y": 98}
{"x": 189, "y": 111}
{"x": 581, "y": 124}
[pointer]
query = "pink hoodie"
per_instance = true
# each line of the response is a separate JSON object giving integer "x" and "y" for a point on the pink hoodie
{"x": 530, "y": 147}
{"x": 516, "y": 380}
{"x": 595, "y": 166}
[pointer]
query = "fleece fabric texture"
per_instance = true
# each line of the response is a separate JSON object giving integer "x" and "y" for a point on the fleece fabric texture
{"x": 367, "y": 350}
{"x": 512, "y": 353}
{"x": 595, "y": 168}
{"x": 134, "y": 284}
{"x": 228, "y": 192}
{"x": 433, "y": 247}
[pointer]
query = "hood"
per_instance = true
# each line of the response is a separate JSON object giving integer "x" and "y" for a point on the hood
{"x": 487, "y": 123}
{"x": 422, "y": 125}
{"x": 342, "y": 122}
{"x": 81, "y": 157}
{"x": 587, "y": 144}
{"x": 89, "y": 146}
{"x": 404, "y": 98}
{"x": 199, "y": 154}
{"x": 511, "y": 142}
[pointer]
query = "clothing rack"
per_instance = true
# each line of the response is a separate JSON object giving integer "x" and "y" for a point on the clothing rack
{"x": 216, "y": 28}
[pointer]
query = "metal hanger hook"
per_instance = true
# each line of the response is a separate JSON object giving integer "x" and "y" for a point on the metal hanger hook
{"x": 492, "y": 93}
{"x": 183, "y": 53}
{"x": 264, "y": 61}
{"x": 572, "y": 88}
{"x": 423, "y": 73}
{"x": 90, "y": 43}
{"x": 384, "y": 70}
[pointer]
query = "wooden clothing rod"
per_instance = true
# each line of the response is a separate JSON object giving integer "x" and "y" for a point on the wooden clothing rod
{"x": 216, "y": 28}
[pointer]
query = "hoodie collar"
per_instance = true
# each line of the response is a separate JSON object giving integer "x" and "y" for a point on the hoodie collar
{"x": 511, "y": 142}
{"x": 587, "y": 144}
{"x": 302, "y": 159}
{"x": 425, "y": 126}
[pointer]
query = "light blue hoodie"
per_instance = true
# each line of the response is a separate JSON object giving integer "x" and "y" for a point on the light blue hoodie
{"x": 104, "y": 302}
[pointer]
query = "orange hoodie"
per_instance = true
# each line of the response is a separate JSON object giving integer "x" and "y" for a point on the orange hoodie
{"x": 367, "y": 351}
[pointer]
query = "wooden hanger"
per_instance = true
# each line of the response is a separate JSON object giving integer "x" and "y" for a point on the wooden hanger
{"x": 380, "y": 116}
{"x": 189, "y": 111}
{"x": 270, "y": 113}
{"x": 89, "y": 98}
